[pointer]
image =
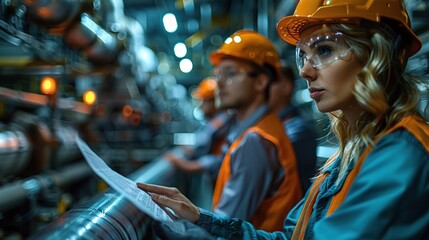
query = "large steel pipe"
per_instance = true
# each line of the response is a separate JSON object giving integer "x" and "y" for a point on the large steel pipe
{"x": 107, "y": 217}
{"x": 110, "y": 215}
{"x": 15, "y": 193}
{"x": 67, "y": 150}
{"x": 112, "y": 14}
{"x": 15, "y": 150}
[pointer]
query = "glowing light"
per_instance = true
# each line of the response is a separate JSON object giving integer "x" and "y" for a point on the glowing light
{"x": 127, "y": 110}
{"x": 228, "y": 40}
{"x": 180, "y": 50}
{"x": 48, "y": 85}
{"x": 89, "y": 97}
{"x": 186, "y": 65}
{"x": 170, "y": 22}
{"x": 237, "y": 39}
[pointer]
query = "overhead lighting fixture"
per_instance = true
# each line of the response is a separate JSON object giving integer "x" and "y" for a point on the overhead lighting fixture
{"x": 180, "y": 50}
{"x": 186, "y": 65}
{"x": 170, "y": 22}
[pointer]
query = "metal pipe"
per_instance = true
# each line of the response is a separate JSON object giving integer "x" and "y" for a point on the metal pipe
{"x": 111, "y": 215}
{"x": 81, "y": 34}
{"x": 11, "y": 195}
{"x": 15, "y": 151}
{"x": 112, "y": 14}
{"x": 70, "y": 174}
{"x": 15, "y": 193}
{"x": 52, "y": 13}
{"x": 104, "y": 50}
{"x": 106, "y": 46}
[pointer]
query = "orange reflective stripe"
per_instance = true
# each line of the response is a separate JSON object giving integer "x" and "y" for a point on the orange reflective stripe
{"x": 415, "y": 125}
{"x": 304, "y": 217}
{"x": 272, "y": 211}
{"x": 224, "y": 173}
{"x": 341, "y": 195}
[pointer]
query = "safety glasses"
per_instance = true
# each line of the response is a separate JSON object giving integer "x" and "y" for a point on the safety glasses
{"x": 230, "y": 73}
{"x": 321, "y": 49}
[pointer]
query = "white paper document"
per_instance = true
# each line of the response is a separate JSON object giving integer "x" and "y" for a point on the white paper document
{"x": 123, "y": 185}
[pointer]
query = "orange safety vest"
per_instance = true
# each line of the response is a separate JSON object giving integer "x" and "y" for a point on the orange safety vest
{"x": 217, "y": 144}
{"x": 270, "y": 214}
{"x": 415, "y": 125}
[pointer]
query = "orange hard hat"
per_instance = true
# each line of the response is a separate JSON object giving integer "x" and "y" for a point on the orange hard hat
{"x": 206, "y": 89}
{"x": 248, "y": 45}
{"x": 309, "y": 12}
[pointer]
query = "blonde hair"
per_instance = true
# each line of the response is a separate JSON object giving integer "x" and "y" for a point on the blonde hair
{"x": 383, "y": 90}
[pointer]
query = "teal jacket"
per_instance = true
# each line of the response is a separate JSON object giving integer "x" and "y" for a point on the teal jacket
{"x": 389, "y": 199}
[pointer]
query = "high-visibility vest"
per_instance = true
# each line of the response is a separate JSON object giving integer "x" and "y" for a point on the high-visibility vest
{"x": 217, "y": 123}
{"x": 415, "y": 125}
{"x": 270, "y": 214}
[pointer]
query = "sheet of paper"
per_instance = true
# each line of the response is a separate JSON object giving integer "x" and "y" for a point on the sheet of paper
{"x": 123, "y": 185}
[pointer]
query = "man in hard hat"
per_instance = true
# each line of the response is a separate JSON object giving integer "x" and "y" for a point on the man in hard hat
{"x": 258, "y": 179}
{"x": 205, "y": 155}
{"x": 353, "y": 55}
{"x": 299, "y": 130}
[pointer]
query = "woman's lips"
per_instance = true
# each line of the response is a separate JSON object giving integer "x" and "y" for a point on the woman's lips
{"x": 315, "y": 93}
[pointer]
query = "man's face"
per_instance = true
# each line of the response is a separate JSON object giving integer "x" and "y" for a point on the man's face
{"x": 236, "y": 83}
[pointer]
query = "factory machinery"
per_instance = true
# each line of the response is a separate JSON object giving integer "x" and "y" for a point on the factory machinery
{"x": 80, "y": 68}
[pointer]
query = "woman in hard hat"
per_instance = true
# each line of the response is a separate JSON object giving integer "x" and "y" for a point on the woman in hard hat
{"x": 353, "y": 55}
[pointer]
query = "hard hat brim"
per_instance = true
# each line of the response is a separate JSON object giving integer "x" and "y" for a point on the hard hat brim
{"x": 215, "y": 57}
{"x": 289, "y": 29}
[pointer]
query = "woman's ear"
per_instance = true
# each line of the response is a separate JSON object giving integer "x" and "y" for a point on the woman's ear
{"x": 402, "y": 58}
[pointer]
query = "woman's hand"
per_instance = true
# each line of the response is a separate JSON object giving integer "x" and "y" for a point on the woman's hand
{"x": 173, "y": 199}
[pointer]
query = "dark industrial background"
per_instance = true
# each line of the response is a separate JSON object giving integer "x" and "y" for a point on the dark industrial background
{"x": 120, "y": 52}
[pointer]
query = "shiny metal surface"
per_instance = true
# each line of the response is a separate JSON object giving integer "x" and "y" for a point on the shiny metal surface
{"x": 108, "y": 216}
{"x": 92, "y": 44}
{"x": 66, "y": 150}
{"x": 15, "y": 151}
{"x": 79, "y": 35}
{"x": 111, "y": 216}
{"x": 15, "y": 193}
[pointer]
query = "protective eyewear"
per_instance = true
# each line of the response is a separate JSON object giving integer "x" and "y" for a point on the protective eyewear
{"x": 321, "y": 50}
{"x": 229, "y": 74}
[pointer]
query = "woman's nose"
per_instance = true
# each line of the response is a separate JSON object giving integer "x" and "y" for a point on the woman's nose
{"x": 308, "y": 72}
